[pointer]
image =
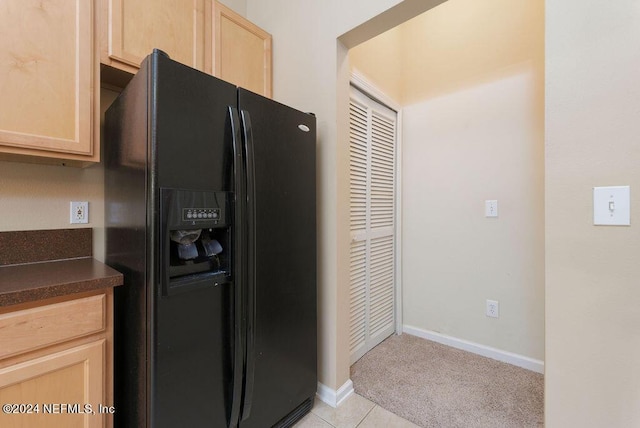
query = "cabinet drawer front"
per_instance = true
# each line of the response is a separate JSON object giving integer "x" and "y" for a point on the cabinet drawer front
{"x": 34, "y": 328}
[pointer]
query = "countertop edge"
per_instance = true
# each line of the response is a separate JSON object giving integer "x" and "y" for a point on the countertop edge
{"x": 40, "y": 281}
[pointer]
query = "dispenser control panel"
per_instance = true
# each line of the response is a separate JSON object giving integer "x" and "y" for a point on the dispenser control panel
{"x": 191, "y": 214}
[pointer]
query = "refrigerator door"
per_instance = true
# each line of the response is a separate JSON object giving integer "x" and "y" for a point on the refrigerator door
{"x": 191, "y": 330}
{"x": 280, "y": 378}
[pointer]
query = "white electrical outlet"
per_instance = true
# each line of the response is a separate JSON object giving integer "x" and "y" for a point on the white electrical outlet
{"x": 493, "y": 309}
{"x": 79, "y": 213}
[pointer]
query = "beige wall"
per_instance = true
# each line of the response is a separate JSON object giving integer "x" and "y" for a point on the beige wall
{"x": 459, "y": 150}
{"x": 592, "y": 273}
{"x": 471, "y": 78}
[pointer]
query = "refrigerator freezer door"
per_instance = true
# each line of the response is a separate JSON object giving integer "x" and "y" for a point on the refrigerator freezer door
{"x": 281, "y": 284}
{"x": 174, "y": 352}
{"x": 192, "y": 339}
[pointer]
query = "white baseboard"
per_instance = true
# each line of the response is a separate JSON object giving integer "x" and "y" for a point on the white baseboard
{"x": 476, "y": 348}
{"x": 333, "y": 397}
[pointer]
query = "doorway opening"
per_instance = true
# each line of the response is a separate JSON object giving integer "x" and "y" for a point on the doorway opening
{"x": 469, "y": 77}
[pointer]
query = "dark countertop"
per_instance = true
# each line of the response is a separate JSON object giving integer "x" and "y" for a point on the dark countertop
{"x": 21, "y": 283}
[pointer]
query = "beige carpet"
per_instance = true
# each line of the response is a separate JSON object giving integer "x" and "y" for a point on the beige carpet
{"x": 433, "y": 385}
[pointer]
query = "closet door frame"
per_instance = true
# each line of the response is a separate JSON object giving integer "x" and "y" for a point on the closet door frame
{"x": 362, "y": 84}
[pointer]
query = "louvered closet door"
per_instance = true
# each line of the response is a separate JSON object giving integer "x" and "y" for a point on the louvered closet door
{"x": 372, "y": 144}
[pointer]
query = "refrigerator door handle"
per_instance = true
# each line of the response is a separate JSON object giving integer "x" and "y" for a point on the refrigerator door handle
{"x": 250, "y": 263}
{"x": 238, "y": 271}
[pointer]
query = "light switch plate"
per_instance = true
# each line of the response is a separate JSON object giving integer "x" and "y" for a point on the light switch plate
{"x": 612, "y": 206}
{"x": 491, "y": 208}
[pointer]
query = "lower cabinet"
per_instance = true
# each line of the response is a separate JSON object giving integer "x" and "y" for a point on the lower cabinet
{"x": 56, "y": 368}
{"x": 64, "y": 389}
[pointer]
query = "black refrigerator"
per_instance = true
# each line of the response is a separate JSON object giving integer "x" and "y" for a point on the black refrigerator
{"x": 210, "y": 213}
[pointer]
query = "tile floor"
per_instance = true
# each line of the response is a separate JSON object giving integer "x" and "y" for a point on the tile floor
{"x": 355, "y": 411}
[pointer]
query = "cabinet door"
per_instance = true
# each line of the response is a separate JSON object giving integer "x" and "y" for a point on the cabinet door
{"x": 242, "y": 51}
{"x": 47, "y": 69}
{"x": 136, "y": 27}
{"x": 56, "y": 383}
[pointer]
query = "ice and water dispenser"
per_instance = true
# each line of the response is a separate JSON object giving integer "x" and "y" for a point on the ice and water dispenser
{"x": 195, "y": 248}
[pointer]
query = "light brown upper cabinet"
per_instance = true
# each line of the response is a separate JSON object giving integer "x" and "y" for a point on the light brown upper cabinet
{"x": 48, "y": 81}
{"x": 131, "y": 29}
{"x": 241, "y": 52}
{"x": 203, "y": 34}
